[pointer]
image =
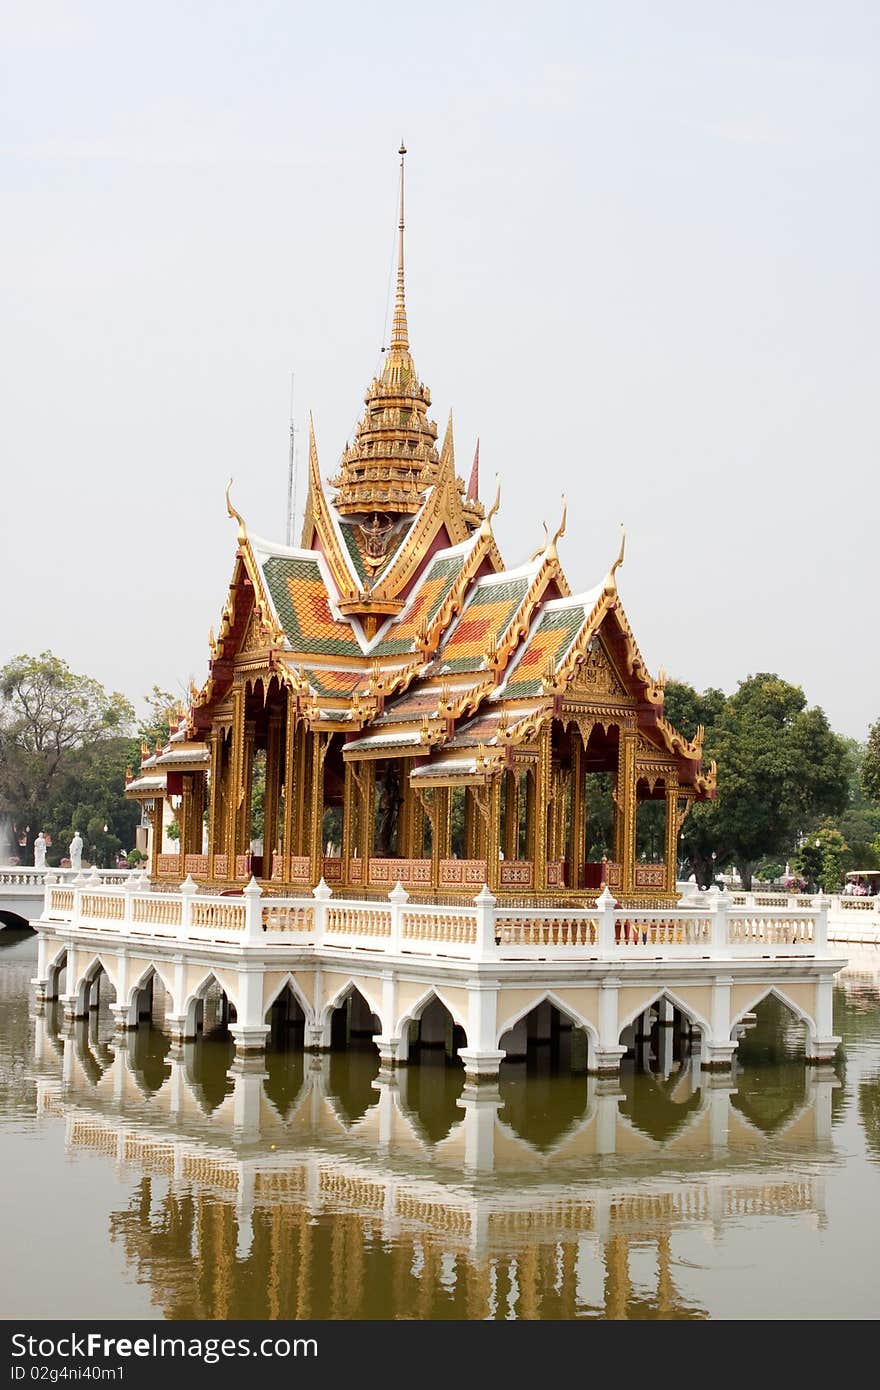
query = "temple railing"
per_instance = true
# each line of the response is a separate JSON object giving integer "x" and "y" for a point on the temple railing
{"x": 707, "y": 927}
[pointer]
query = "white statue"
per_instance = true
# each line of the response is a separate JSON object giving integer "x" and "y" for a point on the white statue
{"x": 40, "y": 851}
{"x": 76, "y": 851}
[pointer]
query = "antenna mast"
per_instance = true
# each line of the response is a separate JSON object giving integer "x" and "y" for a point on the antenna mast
{"x": 291, "y": 474}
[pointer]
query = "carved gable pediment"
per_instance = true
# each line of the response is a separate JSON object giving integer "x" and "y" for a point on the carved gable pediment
{"x": 597, "y": 678}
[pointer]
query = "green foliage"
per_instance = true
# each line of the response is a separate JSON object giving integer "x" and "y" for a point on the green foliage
{"x": 52, "y": 722}
{"x": 821, "y": 858}
{"x": 258, "y": 797}
{"x": 162, "y": 709}
{"x": 86, "y": 797}
{"x": 780, "y": 767}
{"x": 870, "y": 771}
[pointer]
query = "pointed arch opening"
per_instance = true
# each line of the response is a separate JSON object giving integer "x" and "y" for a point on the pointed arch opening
{"x": 432, "y": 1036}
{"x": 662, "y": 1040}
{"x": 286, "y": 1017}
{"x": 548, "y": 1039}
{"x": 772, "y": 1032}
{"x": 209, "y": 1010}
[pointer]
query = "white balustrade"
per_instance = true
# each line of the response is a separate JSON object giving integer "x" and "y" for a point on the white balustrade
{"x": 710, "y": 926}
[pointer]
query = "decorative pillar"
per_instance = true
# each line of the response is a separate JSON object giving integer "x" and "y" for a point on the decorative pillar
{"x": 531, "y": 835}
{"x": 511, "y": 815}
{"x": 274, "y": 741}
{"x": 626, "y": 796}
{"x": 541, "y": 791}
{"x": 671, "y": 832}
{"x": 417, "y": 824}
{"x": 315, "y": 847}
{"x": 216, "y": 827}
{"x": 471, "y": 825}
{"x": 349, "y": 802}
{"x": 243, "y": 825}
{"x": 156, "y": 847}
{"x": 440, "y": 827}
{"x": 291, "y": 788}
{"x": 235, "y": 779}
{"x": 493, "y": 834}
{"x": 577, "y": 844}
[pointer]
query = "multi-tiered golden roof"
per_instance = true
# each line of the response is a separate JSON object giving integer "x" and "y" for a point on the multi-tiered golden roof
{"x": 414, "y": 711}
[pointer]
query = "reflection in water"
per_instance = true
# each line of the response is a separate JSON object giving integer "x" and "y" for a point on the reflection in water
{"x": 302, "y": 1186}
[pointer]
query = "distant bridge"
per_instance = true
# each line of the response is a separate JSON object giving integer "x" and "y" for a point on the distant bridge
{"x": 22, "y": 891}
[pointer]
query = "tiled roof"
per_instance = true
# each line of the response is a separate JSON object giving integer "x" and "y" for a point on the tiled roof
{"x": 297, "y": 589}
{"x": 549, "y": 640}
{"x": 424, "y": 605}
{"x": 488, "y": 611}
{"x": 333, "y": 684}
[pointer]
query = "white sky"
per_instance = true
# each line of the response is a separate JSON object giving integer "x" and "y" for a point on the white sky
{"x": 641, "y": 264}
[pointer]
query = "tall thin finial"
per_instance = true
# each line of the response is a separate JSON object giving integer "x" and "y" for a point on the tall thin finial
{"x": 399, "y": 332}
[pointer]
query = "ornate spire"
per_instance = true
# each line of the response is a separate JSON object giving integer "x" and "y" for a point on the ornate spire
{"x": 399, "y": 331}
{"x": 473, "y": 487}
{"x": 393, "y": 459}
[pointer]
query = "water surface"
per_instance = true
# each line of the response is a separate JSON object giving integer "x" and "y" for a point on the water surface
{"x": 145, "y": 1181}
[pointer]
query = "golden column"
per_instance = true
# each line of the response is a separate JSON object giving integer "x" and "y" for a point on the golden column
{"x": 493, "y": 834}
{"x": 471, "y": 826}
{"x": 315, "y": 848}
{"x": 291, "y": 790}
{"x": 577, "y": 844}
{"x": 671, "y": 831}
{"x": 349, "y": 806}
{"x": 156, "y": 849}
{"x": 216, "y": 827}
{"x": 626, "y": 795}
{"x": 192, "y": 811}
{"x": 440, "y": 828}
{"x": 541, "y": 795}
{"x": 511, "y": 815}
{"x": 530, "y": 850}
{"x": 235, "y": 779}
{"x": 274, "y": 744}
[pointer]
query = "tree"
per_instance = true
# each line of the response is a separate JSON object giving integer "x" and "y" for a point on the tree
{"x": 822, "y": 856}
{"x": 163, "y": 710}
{"x": 871, "y": 764}
{"x": 780, "y": 767}
{"x": 48, "y": 716}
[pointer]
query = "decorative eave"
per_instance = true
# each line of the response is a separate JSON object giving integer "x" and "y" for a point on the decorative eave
{"x": 145, "y": 788}
{"x": 549, "y": 572}
{"x": 318, "y": 521}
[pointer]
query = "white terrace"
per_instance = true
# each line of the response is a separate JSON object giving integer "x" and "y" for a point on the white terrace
{"x": 603, "y": 968}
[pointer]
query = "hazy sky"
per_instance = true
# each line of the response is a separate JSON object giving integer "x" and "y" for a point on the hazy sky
{"x": 642, "y": 264}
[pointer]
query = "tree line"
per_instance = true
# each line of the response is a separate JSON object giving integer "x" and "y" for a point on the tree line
{"x": 790, "y": 789}
{"x": 65, "y": 746}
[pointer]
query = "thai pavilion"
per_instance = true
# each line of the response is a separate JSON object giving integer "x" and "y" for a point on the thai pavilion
{"x": 412, "y": 711}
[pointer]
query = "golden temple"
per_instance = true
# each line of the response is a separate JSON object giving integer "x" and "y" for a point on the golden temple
{"x": 409, "y": 710}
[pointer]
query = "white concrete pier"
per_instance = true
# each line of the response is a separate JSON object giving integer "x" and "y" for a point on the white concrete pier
{"x": 600, "y": 968}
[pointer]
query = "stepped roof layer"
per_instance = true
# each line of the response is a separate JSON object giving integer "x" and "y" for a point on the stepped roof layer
{"x": 395, "y": 622}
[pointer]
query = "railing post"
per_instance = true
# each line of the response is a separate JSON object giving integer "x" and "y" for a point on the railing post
{"x": 322, "y": 895}
{"x": 188, "y": 890}
{"x": 397, "y": 897}
{"x": 78, "y": 884}
{"x": 253, "y": 911}
{"x": 49, "y": 881}
{"x": 485, "y": 947}
{"x": 718, "y": 904}
{"x": 605, "y": 906}
{"x": 820, "y": 926}
{"x": 128, "y": 891}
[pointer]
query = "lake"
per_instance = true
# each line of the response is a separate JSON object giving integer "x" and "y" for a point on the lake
{"x": 147, "y": 1181}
